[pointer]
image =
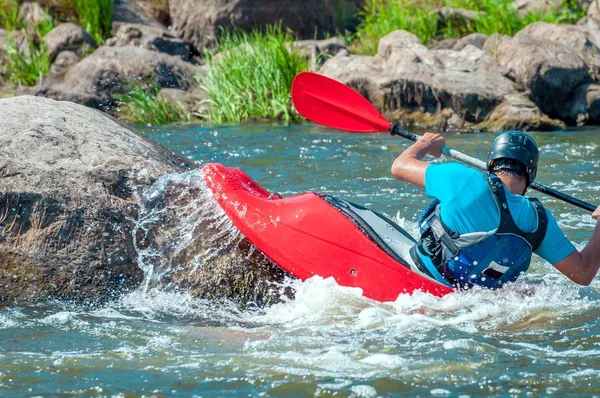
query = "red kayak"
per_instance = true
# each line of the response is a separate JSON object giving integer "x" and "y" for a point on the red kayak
{"x": 314, "y": 234}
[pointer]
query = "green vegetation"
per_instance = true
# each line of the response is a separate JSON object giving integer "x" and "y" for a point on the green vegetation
{"x": 9, "y": 15}
{"x": 95, "y": 17}
{"x": 252, "y": 76}
{"x": 142, "y": 105}
{"x": 28, "y": 64}
{"x": 381, "y": 17}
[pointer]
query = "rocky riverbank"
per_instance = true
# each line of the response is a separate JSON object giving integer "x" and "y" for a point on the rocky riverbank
{"x": 544, "y": 77}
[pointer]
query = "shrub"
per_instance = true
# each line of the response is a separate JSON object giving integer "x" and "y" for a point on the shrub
{"x": 251, "y": 76}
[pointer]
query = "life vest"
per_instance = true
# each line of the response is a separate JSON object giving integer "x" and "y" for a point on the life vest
{"x": 488, "y": 259}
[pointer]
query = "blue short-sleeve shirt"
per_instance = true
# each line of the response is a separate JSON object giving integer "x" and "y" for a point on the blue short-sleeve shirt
{"x": 467, "y": 205}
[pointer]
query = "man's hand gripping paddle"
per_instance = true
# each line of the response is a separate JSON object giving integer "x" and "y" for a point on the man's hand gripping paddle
{"x": 330, "y": 103}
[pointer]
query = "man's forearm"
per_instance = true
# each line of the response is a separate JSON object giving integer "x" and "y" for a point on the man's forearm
{"x": 582, "y": 267}
{"x": 590, "y": 255}
{"x": 409, "y": 167}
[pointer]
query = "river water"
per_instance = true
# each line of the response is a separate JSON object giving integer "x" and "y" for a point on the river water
{"x": 538, "y": 337}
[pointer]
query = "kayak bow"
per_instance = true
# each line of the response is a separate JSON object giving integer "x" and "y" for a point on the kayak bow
{"x": 313, "y": 234}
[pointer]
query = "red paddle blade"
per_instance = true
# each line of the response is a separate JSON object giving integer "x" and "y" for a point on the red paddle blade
{"x": 333, "y": 104}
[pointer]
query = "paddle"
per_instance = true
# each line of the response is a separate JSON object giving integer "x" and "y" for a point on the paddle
{"x": 333, "y": 104}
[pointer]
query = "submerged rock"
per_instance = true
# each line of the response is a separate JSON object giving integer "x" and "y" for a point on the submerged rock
{"x": 90, "y": 209}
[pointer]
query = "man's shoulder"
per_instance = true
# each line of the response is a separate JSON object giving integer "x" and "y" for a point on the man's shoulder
{"x": 452, "y": 169}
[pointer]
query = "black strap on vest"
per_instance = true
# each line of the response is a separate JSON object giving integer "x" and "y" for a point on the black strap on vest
{"x": 438, "y": 235}
{"x": 507, "y": 223}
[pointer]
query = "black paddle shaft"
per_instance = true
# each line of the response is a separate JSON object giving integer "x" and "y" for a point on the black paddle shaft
{"x": 395, "y": 129}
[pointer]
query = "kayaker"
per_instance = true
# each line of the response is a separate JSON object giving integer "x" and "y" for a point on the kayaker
{"x": 481, "y": 229}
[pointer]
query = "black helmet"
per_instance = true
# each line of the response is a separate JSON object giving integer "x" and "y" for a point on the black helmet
{"x": 518, "y": 146}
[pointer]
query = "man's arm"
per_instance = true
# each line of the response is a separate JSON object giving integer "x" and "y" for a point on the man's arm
{"x": 581, "y": 267}
{"x": 409, "y": 167}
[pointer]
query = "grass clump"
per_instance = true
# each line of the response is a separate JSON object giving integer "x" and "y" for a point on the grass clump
{"x": 142, "y": 105}
{"x": 25, "y": 64}
{"x": 95, "y": 17}
{"x": 9, "y": 15}
{"x": 381, "y": 17}
{"x": 251, "y": 77}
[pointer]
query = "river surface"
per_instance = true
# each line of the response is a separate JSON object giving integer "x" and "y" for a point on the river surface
{"x": 538, "y": 337}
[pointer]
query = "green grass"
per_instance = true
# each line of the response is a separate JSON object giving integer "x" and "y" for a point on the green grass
{"x": 141, "y": 105}
{"x": 9, "y": 15}
{"x": 251, "y": 77}
{"x": 26, "y": 66}
{"x": 96, "y": 17}
{"x": 381, "y": 17}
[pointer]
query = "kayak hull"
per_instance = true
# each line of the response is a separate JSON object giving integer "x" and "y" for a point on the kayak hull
{"x": 307, "y": 236}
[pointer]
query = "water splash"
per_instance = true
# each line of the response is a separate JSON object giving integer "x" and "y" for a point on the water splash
{"x": 187, "y": 244}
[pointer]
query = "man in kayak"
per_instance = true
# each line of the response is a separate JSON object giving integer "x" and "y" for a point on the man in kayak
{"x": 481, "y": 229}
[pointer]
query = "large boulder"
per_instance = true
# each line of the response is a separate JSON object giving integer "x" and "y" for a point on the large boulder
{"x": 406, "y": 77}
{"x": 199, "y": 22}
{"x": 90, "y": 209}
{"x": 107, "y": 71}
{"x": 549, "y": 70}
{"x": 70, "y": 179}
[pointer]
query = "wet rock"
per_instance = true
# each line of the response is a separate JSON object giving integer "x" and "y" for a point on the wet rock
{"x": 518, "y": 112}
{"x": 69, "y": 37}
{"x": 549, "y": 70}
{"x": 70, "y": 181}
{"x": 107, "y": 71}
{"x": 187, "y": 243}
{"x": 406, "y": 78}
{"x": 151, "y": 38}
{"x": 199, "y": 22}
